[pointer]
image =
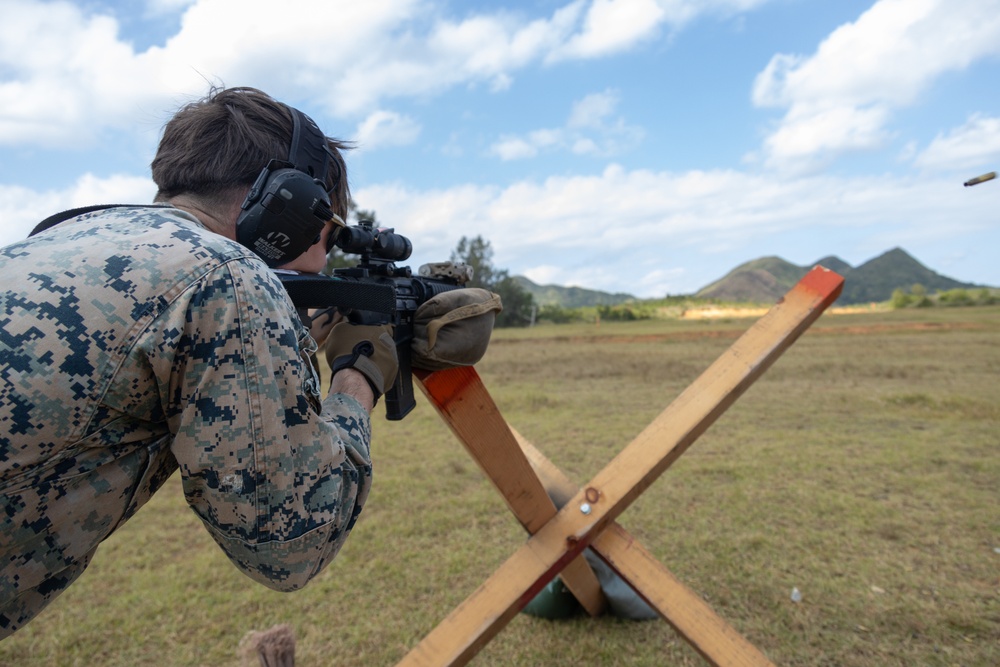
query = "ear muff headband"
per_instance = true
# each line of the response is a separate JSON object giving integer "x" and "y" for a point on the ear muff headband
{"x": 288, "y": 204}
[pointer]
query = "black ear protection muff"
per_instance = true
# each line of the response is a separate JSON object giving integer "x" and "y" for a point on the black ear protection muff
{"x": 288, "y": 205}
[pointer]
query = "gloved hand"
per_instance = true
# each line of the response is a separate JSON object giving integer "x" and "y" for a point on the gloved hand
{"x": 368, "y": 349}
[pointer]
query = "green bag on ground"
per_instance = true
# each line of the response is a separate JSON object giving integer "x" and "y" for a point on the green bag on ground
{"x": 554, "y": 601}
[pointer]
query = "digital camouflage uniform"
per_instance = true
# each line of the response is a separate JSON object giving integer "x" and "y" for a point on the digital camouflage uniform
{"x": 134, "y": 342}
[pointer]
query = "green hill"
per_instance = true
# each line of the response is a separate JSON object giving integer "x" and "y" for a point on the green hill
{"x": 765, "y": 280}
{"x": 836, "y": 264}
{"x": 876, "y": 279}
{"x": 570, "y": 297}
{"x": 760, "y": 280}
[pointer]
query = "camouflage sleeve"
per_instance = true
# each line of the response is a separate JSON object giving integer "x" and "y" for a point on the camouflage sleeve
{"x": 277, "y": 476}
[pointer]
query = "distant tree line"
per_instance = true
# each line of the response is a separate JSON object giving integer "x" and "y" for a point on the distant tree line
{"x": 520, "y": 309}
{"x": 917, "y": 297}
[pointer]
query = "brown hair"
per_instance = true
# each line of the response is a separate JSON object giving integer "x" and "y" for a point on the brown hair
{"x": 215, "y": 148}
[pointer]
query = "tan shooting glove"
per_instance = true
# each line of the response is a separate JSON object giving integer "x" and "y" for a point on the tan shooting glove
{"x": 368, "y": 349}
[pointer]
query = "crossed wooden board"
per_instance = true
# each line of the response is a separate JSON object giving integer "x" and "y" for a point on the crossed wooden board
{"x": 587, "y": 518}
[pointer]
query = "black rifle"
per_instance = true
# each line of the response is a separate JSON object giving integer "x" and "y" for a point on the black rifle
{"x": 376, "y": 291}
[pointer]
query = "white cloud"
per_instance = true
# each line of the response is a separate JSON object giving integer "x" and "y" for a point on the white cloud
{"x": 386, "y": 128}
{"x": 66, "y": 73}
{"x": 501, "y": 82}
{"x": 842, "y": 97}
{"x": 613, "y": 26}
{"x": 545, "y": 138}
{"x": 514, "y": 148}
{"x": 443, "y": 53}
{"x": 70, "y": 74}
{"x": 974, "y": 144}
{"x": 22, "y": 208}
{"x": 589, "y": 130}
{"x": 650, "y": 233}
{"x": 544, "y": 274}
{"x": 809, "y": 137}
{"x": 161, "y": 7}
{"x": 643, "y": 232}
{"x": 585, "y": 146}
{"x": 116, "y": 189}
{"x": 593, "y": 109}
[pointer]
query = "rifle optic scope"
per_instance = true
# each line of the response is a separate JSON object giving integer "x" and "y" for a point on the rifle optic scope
{"x": 363, "y": 239}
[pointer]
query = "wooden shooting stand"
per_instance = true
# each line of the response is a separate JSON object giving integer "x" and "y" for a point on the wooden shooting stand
{"x": 522, "y": 474}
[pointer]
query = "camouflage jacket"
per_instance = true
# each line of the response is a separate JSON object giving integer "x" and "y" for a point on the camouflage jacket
{"x": 134, "y": 342}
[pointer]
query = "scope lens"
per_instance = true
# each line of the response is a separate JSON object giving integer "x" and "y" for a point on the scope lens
{"x": 393, "y": 246}
{"x": 355, "y": 240}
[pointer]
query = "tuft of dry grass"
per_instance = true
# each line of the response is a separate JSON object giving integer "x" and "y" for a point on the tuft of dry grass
{"x": 862, "y": 469}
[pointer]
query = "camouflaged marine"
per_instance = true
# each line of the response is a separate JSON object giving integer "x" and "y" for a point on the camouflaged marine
{"x": 135, "y": 342}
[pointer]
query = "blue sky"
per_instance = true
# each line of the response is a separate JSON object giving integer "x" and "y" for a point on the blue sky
{"x": 641, "y": 146}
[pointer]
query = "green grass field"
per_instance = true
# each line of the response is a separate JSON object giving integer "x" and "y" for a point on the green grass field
{"x": 862, "y": 469}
